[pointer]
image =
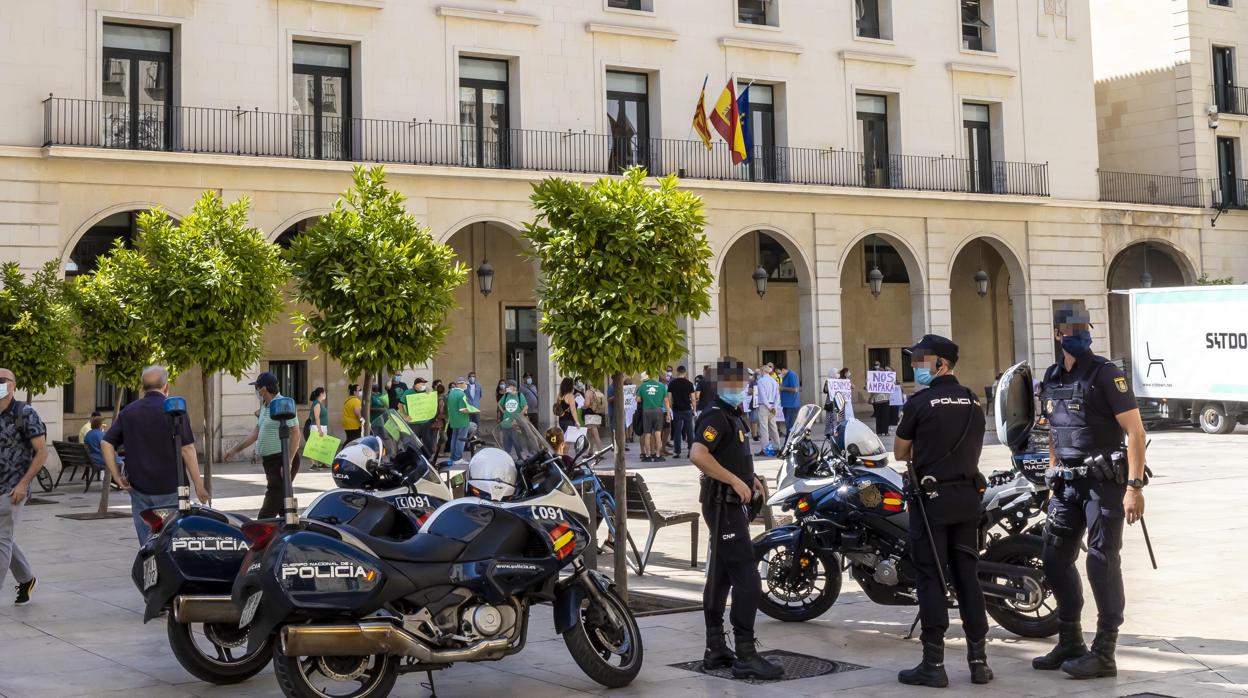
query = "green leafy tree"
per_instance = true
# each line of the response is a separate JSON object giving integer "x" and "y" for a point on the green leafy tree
{"x": 621, "y": 262}
{"x": 378, "y": 286}
{"x": 1206, "y": 280}
{"x": 38, "y": 335}
{"x": 214, "y": 283}
{"x": 111, "y": 306}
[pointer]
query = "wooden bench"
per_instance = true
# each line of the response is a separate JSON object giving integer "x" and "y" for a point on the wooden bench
{"x": 74, "y": 456}
{"x": 641, "y": 506}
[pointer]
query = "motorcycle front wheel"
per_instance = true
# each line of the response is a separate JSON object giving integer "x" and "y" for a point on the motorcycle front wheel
{"x": 215, "y": 652}
{"x": 335, "y": 677}
{"x": 1037, "y": 616}
{"x": 798, "y": 595}
{"x": 606, "y": 642}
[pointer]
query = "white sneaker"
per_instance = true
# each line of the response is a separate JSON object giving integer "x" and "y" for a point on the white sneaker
{"x": 461, "y": 461}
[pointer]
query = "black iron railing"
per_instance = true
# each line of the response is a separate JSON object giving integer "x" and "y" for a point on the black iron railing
{"x": 1229, "y": 193}
{"x": 110, "y": 124}
{"x": 1165, "y": 190}
{"x": 1231, "y": 99}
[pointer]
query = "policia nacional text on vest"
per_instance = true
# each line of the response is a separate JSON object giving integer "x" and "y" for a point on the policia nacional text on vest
{"x": 1087, "y": 401}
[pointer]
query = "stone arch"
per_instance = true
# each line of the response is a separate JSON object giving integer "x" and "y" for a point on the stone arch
{"x": 1014, "y": 296}
{"x": 508, "y": 224}
{"x": 1187, "y": 267}
{"x": 915, "y": 267}
{"x": 1169, "y": 265}
{"x": 805, "y": 270}
{"x": 276, "y": 232}
{"x": 95, "y": 218}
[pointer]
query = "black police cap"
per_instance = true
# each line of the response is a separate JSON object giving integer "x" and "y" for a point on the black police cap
{"x": 935, "y": 344}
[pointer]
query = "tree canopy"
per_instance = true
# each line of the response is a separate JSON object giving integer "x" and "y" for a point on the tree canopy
{"x": 38, "y": 334}
{"x": 110, "y": 311}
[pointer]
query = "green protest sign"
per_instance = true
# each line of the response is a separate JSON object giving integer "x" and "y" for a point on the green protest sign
{"x": 321, "y": 449}
{"x": 421, "y": 407}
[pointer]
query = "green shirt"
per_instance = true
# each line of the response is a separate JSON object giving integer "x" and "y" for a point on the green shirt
{"x": 268, "y": 443}
{"x": 324, "y": 413}
{"x": 511, "y": 405}
{"x": 652, "y": 394}
{"x": 379, "y": 401}
{"x": 455, "y": 401}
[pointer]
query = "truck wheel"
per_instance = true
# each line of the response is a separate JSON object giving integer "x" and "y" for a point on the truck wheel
{"x": 1213, "y": 419}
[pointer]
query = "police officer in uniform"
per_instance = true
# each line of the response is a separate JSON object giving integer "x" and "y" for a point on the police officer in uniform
{"x": 942, "y": 433}
{"x": 1091, "y": 411}
{"x": 721, "y": 450}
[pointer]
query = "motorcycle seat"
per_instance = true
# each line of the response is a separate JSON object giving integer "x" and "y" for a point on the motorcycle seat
{"x": 422, "y": 547}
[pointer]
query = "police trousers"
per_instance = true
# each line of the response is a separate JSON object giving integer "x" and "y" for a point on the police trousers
{"x": 731, "y": 567}
{"x": 954, "y": 518}
{"x": 1096, "y": 507}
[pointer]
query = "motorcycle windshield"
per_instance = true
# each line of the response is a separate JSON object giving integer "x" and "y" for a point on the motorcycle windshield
{"x": 1015, "y": 407}
{"x": 806, "y": 417}
{"x": 394, "y": 432}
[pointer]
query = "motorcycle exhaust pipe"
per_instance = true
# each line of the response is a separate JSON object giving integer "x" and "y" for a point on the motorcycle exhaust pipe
{"x": 205, "y": 609}
{"x": 364, "y": 639}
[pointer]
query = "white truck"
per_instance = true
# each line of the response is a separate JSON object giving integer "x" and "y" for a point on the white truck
{"x": 1189, "y": 354}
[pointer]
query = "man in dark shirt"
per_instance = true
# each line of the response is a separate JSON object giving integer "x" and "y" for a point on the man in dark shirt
{"x": 684, "y": 403}
{"x": 23, "y": 450}
{"x": 721, "y": 450}
{"x": 150, "y": 476}
{"x": 942, "y": 434}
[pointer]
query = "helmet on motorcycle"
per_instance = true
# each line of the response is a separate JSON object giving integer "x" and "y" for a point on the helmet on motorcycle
{"x": 858, "y": 440}
{"x": 805, "y": 457}
{"x": 357, "y": 465}
{"x": 492, "y": 475}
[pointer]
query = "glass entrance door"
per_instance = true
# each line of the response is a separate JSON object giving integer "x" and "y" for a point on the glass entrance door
{"x": 322, "y": 100}
{"x": 483, "y": 112}
{"x": 873, "y": 119}
{"x": 976, "y": 124}
{"x": 628, "y": 115}
{"x": 520, "y": 342}
{"x": 136, "y": 87}
{"x": 1224, "y": 79}
{"x": 1228, "y": 174}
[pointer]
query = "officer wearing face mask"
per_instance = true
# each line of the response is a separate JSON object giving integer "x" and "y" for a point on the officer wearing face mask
{"x": 721, "y": 450}
{"x": 1096, "y": 476}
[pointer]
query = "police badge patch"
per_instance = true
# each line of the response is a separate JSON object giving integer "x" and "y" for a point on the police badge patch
{"x": 870, "y": 495}
{"x": 710, "y": 434}
{"x": 1121, "y": 384}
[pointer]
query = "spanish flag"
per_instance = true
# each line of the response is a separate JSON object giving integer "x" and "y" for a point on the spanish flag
{"x": 727, "y": 120}
{"x": 699, "y": 118}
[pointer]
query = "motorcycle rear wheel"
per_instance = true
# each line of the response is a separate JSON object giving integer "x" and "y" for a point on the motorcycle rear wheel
{"x": 774, "y": 565}
{"x": 189, "y": 648}
{"x": 1040, "y": 621}
{"x": 606, "y": 643}
{"x": 309, "y": 677}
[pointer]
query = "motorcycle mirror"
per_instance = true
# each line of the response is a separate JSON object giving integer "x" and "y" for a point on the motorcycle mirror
{"x": 582, "y": 445}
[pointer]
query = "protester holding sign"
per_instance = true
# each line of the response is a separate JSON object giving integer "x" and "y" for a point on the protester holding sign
{"x": 511, "y": 406}
{"x": 838, "y": 383}
{"x": 880, "y": 388}
{"x": 419, "y": 406}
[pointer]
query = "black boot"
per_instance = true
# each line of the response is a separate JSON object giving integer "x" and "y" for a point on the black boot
{"x": 1099, "y": 661}
{"x": 929, "y": 672}
{"x": 717, "y": 656}
{"x": 1069, "y": 645}
{"x": 977, "y": 659}
{"x": 749, "y": 664}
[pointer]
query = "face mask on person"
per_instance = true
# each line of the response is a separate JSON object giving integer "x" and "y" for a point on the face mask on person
{"x": 260, "y": 396}
{"x": 580, "y": 386}
{"x": 4, "y": 390}
{"x": 472, "y": 380}
{"x": 735, "y": 397}
{"x": 511, "y": 390}
{"x": 528, "y": 381}
{"x": 923, "y": 375}
{"x": 502, "y": 386}
{"x": 1077, "y": 344}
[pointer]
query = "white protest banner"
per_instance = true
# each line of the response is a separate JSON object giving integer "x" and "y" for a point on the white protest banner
{"x": 881, "y": 381}
{"x": 630, "y": 394}
{"x": 844, "y": 387}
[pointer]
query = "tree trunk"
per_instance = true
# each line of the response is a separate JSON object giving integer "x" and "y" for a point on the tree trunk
{"x": 209, "y": 435}
{"x": 118, "y": 391}
{"x": 621, "y": 494}
{"x": 367, "y": 402}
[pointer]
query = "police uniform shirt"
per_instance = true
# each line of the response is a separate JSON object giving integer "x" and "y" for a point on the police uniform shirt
{"x": 1111, "y": 393}
{"x": 725, "y": 432}
{"x": 934, "y": 420}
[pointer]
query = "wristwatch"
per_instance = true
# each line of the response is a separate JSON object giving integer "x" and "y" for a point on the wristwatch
{"x": 1136, "y": 482}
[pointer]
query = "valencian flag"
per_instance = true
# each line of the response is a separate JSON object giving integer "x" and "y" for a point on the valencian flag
{"x": 699, "y": 118}
{"x": 747, "y": 126}
{"x": 727, "y": 120}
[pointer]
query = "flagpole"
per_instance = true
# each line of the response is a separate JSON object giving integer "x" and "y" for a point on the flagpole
{"x": 689, "y": 135}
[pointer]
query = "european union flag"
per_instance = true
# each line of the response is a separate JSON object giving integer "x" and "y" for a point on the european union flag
{"x": 747, "y": 122}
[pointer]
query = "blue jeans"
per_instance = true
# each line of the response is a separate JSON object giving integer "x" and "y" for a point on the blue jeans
{"x": 140, "y": 502}
{"x": 457, "y": 443}
{"x": 510, "y": 445}
{"x": 790, "y": 416}
{"x": 682, "y": 427}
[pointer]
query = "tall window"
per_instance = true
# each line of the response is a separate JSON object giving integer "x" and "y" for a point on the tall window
{"x": 1229, "y": 184}
{"x": 762, "y": 12}
{"x": 292, "y": 379}
{"x": 628, "y": 116}
{"x": 878, "y": 253}
{"x": 1224, "y": 92}
{"x": 867, "y": 18}
{"x": 137, "y": 87}
{"x": 625, "y": 4}
{"x": 483, "y": 118}
{"x": 775, "y": 259}
{"x": 977, "y": 125}
{"x": 873, "y": 122}
{"x": 759, "y": 124}
{"x": 106, "y": 393}
{"x": 322, "y": 101}
{"x": 976, "y": 25}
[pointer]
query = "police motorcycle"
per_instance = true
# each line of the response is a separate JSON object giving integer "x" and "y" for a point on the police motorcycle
{"x": 347, "y": 610}
{"x": 850, "y": 511}
{"x": 188, "y": 566}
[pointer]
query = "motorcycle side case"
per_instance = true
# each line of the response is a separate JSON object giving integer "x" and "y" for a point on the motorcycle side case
{"x": 196, "y": 552}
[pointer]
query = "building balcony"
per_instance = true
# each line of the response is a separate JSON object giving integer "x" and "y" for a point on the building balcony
{"x": 1229, "y": 193}
{"x": 1231, "y": 99}
{"x": 119, "y": 125}
{"x": 1160, "y": 190}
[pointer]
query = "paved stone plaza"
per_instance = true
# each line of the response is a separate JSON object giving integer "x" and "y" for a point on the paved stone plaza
{"x": 1184, "y": 636}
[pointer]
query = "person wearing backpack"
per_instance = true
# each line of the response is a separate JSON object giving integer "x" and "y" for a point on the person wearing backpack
{"x": 23, "y": 451}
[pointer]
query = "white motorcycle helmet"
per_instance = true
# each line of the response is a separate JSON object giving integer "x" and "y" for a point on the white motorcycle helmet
{"x": 492, "y": 475}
